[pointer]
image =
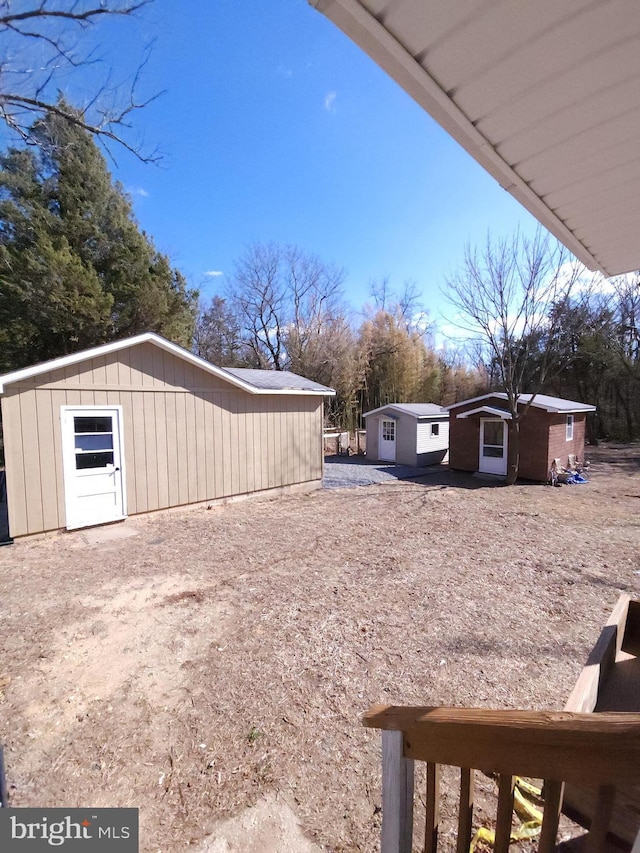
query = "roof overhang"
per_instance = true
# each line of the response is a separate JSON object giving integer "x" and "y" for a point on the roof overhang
{"x": 544, "y": 95}
{"x": 554, "y": 405}
{"x": 398, "y": 410}
{"x": 162, "y": 343}
{"x": 491, "y": 411}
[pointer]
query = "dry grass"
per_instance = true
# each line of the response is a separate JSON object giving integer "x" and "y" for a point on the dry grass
{"x": 219, "y": 656}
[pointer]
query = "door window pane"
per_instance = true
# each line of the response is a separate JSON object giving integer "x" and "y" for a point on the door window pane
{"x": 388, "y": 430}
{"x": 494, "y": 433}
{"x": 94, "y": 441}
{"x": 93, "y": 460}
{"x": 495, "y": 452}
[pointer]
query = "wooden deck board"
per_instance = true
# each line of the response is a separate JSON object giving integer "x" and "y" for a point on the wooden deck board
{"x": 609, "y": 682}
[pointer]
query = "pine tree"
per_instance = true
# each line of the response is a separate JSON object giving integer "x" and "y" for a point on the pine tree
{"x": 75, "y": 269}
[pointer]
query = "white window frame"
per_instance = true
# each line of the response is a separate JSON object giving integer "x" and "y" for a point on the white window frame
{"x": 569, "y": 427}
{"x": 388, "y": 427}
{"x": 435, "y": 430}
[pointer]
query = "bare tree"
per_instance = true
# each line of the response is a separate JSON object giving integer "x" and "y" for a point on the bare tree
{"x": 284, "y": 300}
{"x": 509, "y": 298}
{"x": 46, "y": 45}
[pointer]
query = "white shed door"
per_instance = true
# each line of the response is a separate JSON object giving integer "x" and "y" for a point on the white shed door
{"x": 93, "y": 465}
{"x": 387, "y": 441}
{"x": 493, "y": 446}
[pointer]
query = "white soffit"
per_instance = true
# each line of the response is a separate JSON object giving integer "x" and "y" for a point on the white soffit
{"x": 544, "y": 94}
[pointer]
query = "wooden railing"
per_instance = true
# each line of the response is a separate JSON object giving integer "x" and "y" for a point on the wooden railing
{"x": 600, "y": 751}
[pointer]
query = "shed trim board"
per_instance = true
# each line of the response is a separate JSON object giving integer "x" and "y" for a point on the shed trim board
{"x": 183, "y": 432}
{"x": 543, "y": 95}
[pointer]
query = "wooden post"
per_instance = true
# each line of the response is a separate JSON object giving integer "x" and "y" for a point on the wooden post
{"x": 505, "y": 812}
{"x": 553, "y": 792}
{"x": 465, "y": 809}
{"x": 433, "y": 808}
{"x": 397, "y": 795}
{"x": 601, "y": 818}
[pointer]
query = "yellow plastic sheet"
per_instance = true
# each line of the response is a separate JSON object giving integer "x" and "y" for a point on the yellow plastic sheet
{"x": 526, "y": 811}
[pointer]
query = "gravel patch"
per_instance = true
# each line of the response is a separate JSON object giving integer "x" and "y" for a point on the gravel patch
{"x": 340, "y": 473}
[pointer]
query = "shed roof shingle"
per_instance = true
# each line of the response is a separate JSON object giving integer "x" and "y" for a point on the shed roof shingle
{"x": 277, "y": 380}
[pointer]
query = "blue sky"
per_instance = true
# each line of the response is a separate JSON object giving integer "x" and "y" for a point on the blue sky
{"x": 275, "y": 127}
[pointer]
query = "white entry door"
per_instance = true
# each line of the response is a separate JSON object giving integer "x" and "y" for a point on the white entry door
{"x": 94, "y": 484}
{"x": 493, "y": 446}
{"x": 387, "y": 441}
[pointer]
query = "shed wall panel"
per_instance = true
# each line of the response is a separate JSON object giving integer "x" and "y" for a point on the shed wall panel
{"x": 58, "y": 398}
{"x": 464, "y": 442}
{"x": 162, "y": 450}
{"x": 31, "y": 451}
{"x": 432, "y": 449}
{"x": 49, "y": 480}
{"x": 200, "y": 439}
{"x": 406, "y": 440}
{"x": 14, "y": 464}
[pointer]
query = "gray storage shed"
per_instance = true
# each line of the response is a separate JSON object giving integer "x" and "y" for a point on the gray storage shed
{"x": 142, "y": 424}
{"x": 408, "y": 433}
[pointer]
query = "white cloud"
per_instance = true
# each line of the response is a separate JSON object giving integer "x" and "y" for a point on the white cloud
{"x": 139, "y": 191}
{"x": 329, "y": 101}
{"x": 213, "y": 273}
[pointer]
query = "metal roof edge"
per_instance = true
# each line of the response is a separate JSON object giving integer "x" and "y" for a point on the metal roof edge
{"x": 367, "y": 32}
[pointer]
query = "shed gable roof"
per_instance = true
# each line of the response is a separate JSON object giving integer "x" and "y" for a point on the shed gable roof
{"x": 252, "y": 381}
{"x": 416, "y": 410}
{"x": 540, "y": 401}
{"x": 544, "y": 95}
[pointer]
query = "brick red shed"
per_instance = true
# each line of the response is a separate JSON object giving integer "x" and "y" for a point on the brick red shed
{"x": 478, "y": 435}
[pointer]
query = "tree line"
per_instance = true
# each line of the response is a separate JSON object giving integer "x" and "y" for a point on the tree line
{"x": 77, "y": 271}
{"x": 284, "y": 309}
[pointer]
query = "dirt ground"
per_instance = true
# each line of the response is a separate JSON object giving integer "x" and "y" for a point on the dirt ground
{"x": 212, "y": 667}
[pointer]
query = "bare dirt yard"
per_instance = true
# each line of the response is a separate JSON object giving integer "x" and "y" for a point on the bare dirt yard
{"x": 212, "y": 667}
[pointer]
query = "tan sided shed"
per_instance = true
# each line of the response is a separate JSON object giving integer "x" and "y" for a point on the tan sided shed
{"x": 408, "y": 433}
{"x": 552, "y": 429}
{"x": 141, "y": 425}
